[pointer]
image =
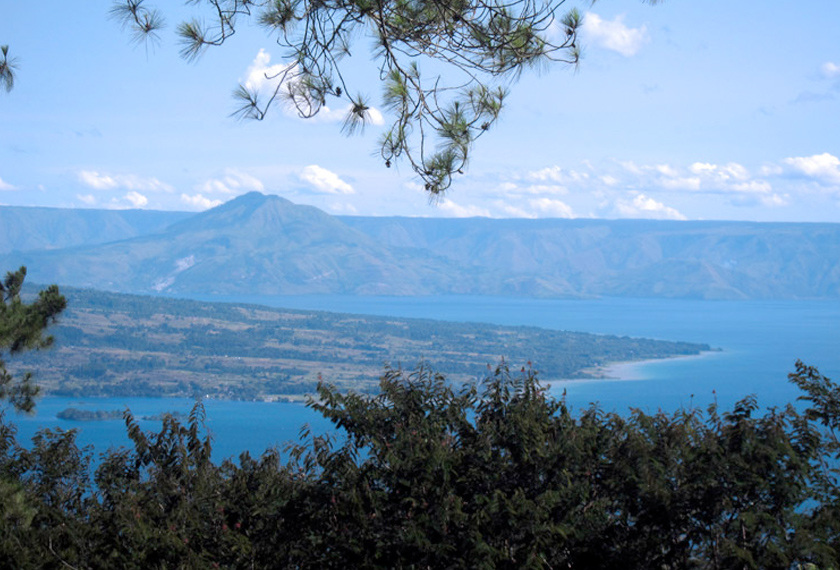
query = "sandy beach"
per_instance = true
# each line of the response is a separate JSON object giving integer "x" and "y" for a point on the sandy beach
{"x": 629, "y": 370}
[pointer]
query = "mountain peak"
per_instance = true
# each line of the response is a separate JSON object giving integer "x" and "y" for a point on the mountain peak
{"x": 252, "y": 200}
{"x": 253, "y": 208}
{"x": 252, "y": 195}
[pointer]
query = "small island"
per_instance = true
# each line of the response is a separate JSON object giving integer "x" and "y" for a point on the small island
{"x": 77, "y": 415}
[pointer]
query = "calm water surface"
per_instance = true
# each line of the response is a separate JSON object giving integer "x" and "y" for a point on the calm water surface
{"x": 759, "y": 342}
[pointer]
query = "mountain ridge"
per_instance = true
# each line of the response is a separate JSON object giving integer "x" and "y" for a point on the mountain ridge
{"x": 24, "y": 228}
{"x": 267, "y": 245}
{"x": 253, "y": 244}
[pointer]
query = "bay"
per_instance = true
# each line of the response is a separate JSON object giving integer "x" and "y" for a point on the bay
{"x": 759, "y": 343}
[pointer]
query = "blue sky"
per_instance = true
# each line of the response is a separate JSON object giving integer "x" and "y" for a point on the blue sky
{"x": 684, "y": 110}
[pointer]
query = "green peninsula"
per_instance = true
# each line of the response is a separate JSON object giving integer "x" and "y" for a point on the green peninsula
{"x": 110, "y": 344}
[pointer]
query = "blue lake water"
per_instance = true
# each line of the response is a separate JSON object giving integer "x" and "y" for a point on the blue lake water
{"x": 760, "y": 342}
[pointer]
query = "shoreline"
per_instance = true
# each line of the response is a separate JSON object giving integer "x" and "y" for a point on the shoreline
{"x": 628, "y": 370}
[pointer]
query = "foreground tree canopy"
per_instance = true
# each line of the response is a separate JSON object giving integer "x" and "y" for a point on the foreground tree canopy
{"x": 496, "y": 475}
{"x": 22, "y": 328}
{"x": 444, "y": 64}
{"x": 8, "y": 67}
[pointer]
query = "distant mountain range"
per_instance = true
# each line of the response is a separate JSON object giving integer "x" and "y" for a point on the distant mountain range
{"x": 266, "y": 245}
{"x": 26, "y": 229}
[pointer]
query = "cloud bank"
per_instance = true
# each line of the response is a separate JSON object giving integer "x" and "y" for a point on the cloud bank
{"x": 698, "y": 189}
{"x": 100, "y": 181}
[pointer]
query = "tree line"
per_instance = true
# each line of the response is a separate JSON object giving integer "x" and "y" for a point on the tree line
{"x": 497, "y": 474}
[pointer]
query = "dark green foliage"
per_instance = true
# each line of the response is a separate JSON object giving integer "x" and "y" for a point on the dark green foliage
{"x": 8, "y": 65}
{"x": 425, "y": 475}
{"x": 22, "y": 328}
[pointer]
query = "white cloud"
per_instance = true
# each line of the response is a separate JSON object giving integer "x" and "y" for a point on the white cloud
{"x": 771, "y": 170}
{"x": 705, "y": 189}
{"x": 552, "y": 208}
{"x": 6, "y": 186}
{"x": 457, "y": 211}
{"x": 775, "y": 201}
{"x": 671, "y": 178}
{"x": 732, "y": 180}
{"x": 147, "y": 184}
{"x": 720, "y": 174}
{"x": 547, "y": 189}
{"x": 99, "y": 181}
{"x": 830, "y": 70}
{"x": 376, "y": 117}
{"x": 136, "y": 199}
{"x": 646, "y": 207}
{"x": 681, "y": 183}
{"x": 88, "y": 199}
{"x": 751, "y": 199}
{"x": 824, "y": 168}
{"x": 329, "y": 115}
{"x": 614, "y": 34}
{"x": 556, "y": 174}
{"x": 703, "y": 168}
{"x": 736, "y": 171}
{"x": 507, "y": 187}
{"x": 184, "y": 263}
{"x": 543, "y": 189}
{"x": 511, "y": 211}
{"x": 261, "y": 75}
{"x": 666, "y": 170}
{"x": 416, "y": 187}
{"x": 199, "y": 201}
{"x": 552, "y": 173}
{"x": 524, "y": 207}
{"x": 753, "y": 187}
{"x": 325, "y": 181}
{"x": 214, "y": 185}
{"x": 232, "y": 182}
{"x": 631, "y": 167}
{"x": 731, "y": 176}
{"x": 512, "y": 192}
{"x": 264, "y": 78}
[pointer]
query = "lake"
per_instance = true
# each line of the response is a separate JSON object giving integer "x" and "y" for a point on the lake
{"x": 759, "y": 341}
